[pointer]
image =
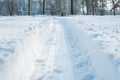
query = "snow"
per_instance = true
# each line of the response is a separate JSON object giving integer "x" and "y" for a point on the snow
{"x": 60, "y": 48}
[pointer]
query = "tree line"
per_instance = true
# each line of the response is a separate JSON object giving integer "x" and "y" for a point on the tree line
{"x": 58, "y": 7}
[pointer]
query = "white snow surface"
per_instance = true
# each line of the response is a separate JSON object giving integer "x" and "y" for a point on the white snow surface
{"x": 60, "y": 48}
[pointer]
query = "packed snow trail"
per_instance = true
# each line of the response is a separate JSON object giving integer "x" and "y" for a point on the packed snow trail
{"x": 41, "y": 56}
{"x": 58, "y": 64}
{"x": 58, "y": 50}
{"x": 85, "y": 53}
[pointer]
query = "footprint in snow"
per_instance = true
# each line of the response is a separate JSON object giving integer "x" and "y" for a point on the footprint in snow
{"x": 1, "y": 61}
{"x": 88, "y": 77}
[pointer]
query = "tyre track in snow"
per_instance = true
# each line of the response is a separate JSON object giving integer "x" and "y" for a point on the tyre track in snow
{"x": 42, "y": 53}
{"x": 62, "y": 68}
{"x": 57, "y": 64}
{"x": 88, "y": 62}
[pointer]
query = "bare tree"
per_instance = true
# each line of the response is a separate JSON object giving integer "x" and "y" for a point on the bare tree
{"x": 115, "y": 5}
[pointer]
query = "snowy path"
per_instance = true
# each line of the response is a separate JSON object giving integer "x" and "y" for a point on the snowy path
{"x": 58, "y": 64}
{"x": 87, "y": 57}
{"x": 58, "y": 50}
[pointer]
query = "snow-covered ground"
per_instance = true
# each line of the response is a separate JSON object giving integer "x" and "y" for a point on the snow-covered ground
{"x": 60, "y": 48}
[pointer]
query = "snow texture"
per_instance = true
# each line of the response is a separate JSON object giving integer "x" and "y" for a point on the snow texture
{"x": 60, "y": 48}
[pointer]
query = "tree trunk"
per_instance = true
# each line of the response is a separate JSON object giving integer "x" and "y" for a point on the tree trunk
{"x": 43, "y": 7}
{"x": 87, "y": 7}
{"x": 10, "y": 7}
{"x": 72, "y": 7}
{"x": 28, "y": 7}
{"x": 93, "y": 11}
{"x": 83, "y": 11}
{"x": 114, "y": 12}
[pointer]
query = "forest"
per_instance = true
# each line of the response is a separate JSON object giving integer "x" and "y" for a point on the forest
{"x": 59, "y": 7}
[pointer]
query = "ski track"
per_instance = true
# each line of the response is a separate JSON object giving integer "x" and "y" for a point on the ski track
{"x": 58, "y": 50}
